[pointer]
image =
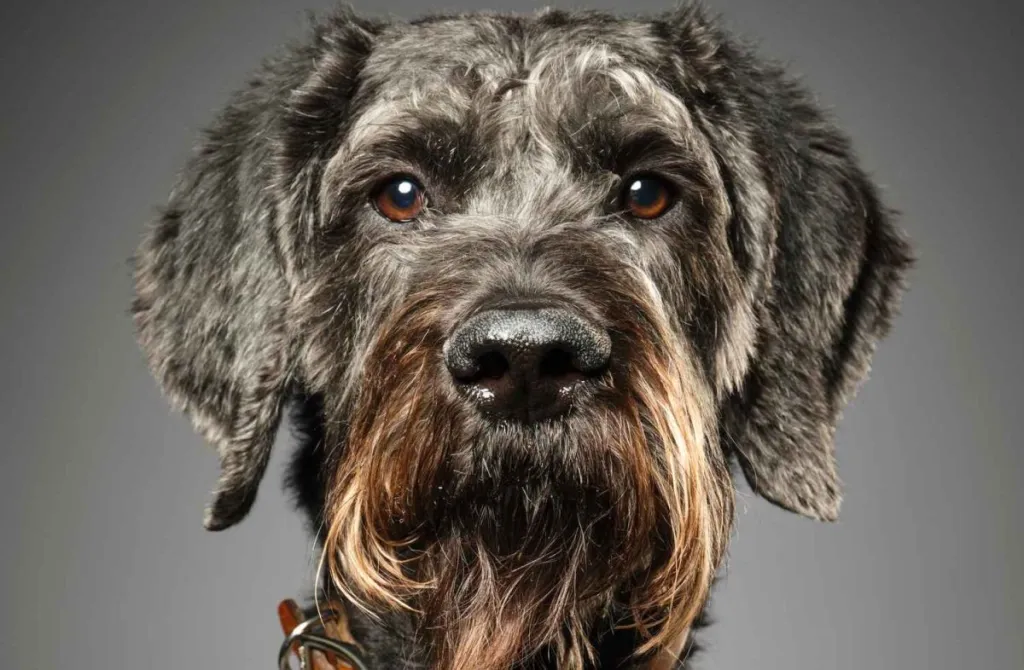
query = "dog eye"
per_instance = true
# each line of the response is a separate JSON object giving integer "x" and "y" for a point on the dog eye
{"x": 400, "y": 199}
{"x": 647, "y": 197}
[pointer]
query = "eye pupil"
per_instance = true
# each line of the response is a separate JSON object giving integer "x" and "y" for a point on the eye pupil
{"x": 647, "y": 197}
{"x": 403, "y": 193}
{"x": 645, "y": 192}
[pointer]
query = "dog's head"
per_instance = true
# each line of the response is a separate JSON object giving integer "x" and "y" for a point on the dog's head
{"x": 547, "y": 275}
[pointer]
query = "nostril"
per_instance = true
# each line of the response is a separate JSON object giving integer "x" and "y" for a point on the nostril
{"x": 486, "y": 366}
{"x": 493, "y": 365}
{"x": 558, "y": 364}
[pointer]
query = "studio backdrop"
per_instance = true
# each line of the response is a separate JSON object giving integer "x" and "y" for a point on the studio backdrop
{"x": 104, "y": 562}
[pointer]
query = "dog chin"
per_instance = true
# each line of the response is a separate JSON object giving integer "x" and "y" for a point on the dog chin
{"x": 535, "y": 550}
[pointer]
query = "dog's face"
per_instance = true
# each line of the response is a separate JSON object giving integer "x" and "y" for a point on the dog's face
{"x": 546, "y": 275}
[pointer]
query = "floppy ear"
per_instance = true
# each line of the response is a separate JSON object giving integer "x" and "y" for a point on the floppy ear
{"x": 823, "y": 264}
{"x": 837, "y": 277}
{"x": 212, "y": 277}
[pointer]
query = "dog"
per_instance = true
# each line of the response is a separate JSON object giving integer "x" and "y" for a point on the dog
{"x": 534, "y": 290}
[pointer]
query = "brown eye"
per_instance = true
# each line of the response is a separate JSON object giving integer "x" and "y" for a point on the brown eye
{"x": 400, "y": 199}
{"x": 647, "y": 197}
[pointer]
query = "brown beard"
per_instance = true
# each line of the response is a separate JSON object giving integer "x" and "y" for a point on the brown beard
{"x": 507, "y": 540}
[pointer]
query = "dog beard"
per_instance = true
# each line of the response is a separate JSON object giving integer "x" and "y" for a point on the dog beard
{"x": 507, "y": 540}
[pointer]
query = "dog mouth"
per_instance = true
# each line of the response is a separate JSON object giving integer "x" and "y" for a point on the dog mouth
{"x": 542, "y": 440}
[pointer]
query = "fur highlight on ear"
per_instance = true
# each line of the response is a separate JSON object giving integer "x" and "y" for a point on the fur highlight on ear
{"x": 214, "y": 275}
{"x": 823, "y": 262}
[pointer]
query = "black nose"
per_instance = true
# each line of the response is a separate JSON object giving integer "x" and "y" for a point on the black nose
{"x": 527, "y": 364}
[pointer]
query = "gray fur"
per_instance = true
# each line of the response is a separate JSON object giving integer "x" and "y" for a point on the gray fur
{"x": 227, "y": 261}
{"x": 268, "y": 276}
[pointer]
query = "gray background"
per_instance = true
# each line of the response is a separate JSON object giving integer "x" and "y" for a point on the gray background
{"x": 104, "y": 560}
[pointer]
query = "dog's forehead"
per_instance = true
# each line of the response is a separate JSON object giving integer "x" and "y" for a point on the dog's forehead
{"x": 529, "y": 90}
{"x": 518, "y": 75}
{"x": 491, "y": 49}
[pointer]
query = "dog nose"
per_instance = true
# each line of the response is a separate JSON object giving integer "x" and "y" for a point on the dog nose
{"x": 527, "y": 364}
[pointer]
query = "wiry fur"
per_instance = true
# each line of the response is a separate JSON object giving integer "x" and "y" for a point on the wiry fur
{"x": 413, "y": 502}
{"x": 741, "y": 321}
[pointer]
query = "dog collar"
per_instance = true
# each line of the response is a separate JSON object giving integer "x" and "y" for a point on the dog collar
{"x": 320, "y": 639}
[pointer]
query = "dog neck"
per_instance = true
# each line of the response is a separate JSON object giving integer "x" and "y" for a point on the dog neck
{"x": 387, "y": 643}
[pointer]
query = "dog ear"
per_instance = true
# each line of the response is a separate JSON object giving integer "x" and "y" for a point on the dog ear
{"x": 837, "y": 277}
{"x": 823, "y": 264}
{"x": 212, "y": 277}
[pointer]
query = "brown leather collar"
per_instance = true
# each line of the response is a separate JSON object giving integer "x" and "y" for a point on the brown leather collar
{"x": 320, "y": 639}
